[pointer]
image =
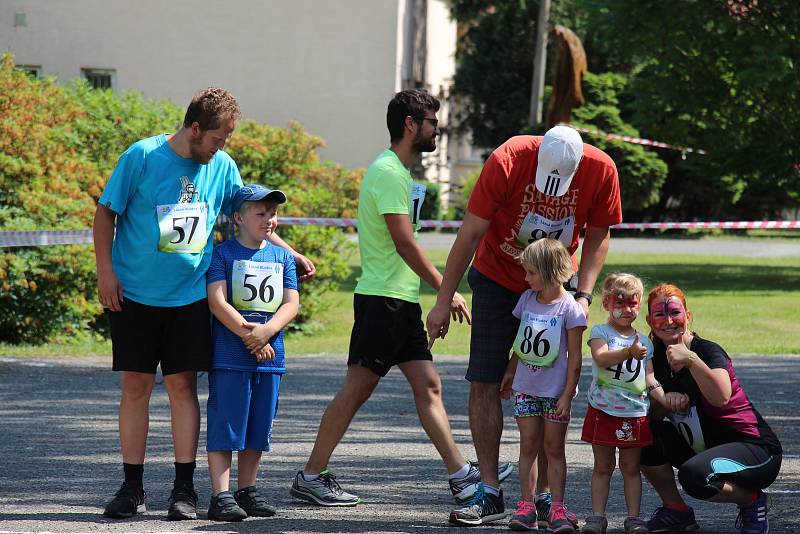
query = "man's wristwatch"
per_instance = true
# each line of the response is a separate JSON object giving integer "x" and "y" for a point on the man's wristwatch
{"x": 584, "y": 294}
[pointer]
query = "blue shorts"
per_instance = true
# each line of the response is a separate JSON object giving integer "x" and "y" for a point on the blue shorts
{"x": 241, "y": 408}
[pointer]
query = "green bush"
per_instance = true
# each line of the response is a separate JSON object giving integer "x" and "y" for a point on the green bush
{"x": 461, "y": 194}
{"x": 58, "y": 145}
{"x": 432, "y": 207}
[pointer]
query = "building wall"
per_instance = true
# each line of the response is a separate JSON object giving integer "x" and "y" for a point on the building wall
{"x": 329, "y": 64}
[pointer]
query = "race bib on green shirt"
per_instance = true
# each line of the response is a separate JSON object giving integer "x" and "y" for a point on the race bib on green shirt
{"x": 534, "y": 227}
{"x": 538, "y": 339}
{"x": 257, "y": 286}
{"x": 627, "y": 375}
{"x": 688, "y": 425}
{"x": 417, "y": 199}
{"x": 182, "y": 227}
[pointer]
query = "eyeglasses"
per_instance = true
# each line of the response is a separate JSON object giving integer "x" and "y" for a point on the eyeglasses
{"x": 434, "y": 122}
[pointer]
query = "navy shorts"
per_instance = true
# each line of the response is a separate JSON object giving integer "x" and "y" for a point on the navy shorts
{"x": 386, "y": 332}
{"x": 177, "y": 337}
{"x": 241, "y": 408}
{"x": 493, "y": 328}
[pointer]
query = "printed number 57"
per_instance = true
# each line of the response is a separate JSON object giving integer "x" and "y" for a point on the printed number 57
{"x": 181, "y": 232}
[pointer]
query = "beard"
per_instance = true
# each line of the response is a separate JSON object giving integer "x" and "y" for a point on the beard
{"x": 425, "y": 144}
{"x": 195, "y": 151}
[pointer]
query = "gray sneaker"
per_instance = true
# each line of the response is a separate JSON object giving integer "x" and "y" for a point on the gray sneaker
{"x": 464, "y": 488}
{"x": 323, "y": 490}
{"x": 595, "y": 524}
{"x": 634, "y": 525}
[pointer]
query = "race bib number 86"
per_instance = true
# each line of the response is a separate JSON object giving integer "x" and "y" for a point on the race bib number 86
{"x": 538, "y": 339}
{"x": 257, "y": 286}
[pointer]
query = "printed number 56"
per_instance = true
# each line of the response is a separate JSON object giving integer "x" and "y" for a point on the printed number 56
{"x": 260, "y": 291}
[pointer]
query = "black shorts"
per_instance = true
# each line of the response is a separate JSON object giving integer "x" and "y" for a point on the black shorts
{"x": 386, "y": 332}
{"x": 493, "y": 328}
{"x": 702, "y": 475}
{"x": 179, "y": 337}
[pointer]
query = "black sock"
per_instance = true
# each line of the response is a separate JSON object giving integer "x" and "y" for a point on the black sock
{"x": 184, "y": 472}
{"x": 133, "y": 473}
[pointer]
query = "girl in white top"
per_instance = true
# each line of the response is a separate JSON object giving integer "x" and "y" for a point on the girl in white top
{"x": 617, "y": 413}
{"x": 544, "y": 373}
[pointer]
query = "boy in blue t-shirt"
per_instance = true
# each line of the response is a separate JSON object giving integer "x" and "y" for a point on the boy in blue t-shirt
{"x": 252, "y": 294}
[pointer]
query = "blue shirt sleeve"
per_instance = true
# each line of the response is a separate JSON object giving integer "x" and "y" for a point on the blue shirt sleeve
{"x": 216, "y": 270}
{"x": 289, "y": 272}
{"x": 123, "y": 181}
{"x": 232, "y": 184}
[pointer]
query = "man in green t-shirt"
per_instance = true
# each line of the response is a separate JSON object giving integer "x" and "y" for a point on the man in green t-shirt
{"x": 388, "y": 327}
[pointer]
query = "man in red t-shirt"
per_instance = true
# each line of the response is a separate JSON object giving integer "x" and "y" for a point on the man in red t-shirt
{"x": 530, "y": 187}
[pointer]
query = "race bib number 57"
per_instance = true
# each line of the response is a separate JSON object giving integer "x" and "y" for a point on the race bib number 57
{"x": 538, "y": 339}
{"x": 182, "y": 227}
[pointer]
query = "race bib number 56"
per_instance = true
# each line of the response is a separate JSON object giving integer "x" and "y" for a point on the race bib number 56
{"x": 257, "y": 286}
{"x": 182, "y": 227}
{"x": 538, "y": 339}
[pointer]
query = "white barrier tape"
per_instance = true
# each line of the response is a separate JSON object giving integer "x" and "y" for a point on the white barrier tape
{"x": 637, "y": 140}
{"x": 70, "y": 237}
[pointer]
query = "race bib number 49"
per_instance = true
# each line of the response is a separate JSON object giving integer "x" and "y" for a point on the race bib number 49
{"x": 257, "y": 286}
{"x": 182, "y": 227}
{"x": 417, "y": 199}
{"x": 538, "y": 339}
{"x": 627, "y": 375}
{"x": 535, "y": 227}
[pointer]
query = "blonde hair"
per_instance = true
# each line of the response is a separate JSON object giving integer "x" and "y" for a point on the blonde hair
{"x": 550, "y": 259}
{"x": 624, "y": 283}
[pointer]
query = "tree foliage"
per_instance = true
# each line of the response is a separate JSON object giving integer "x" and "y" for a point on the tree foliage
{"x": 720, "y": 75}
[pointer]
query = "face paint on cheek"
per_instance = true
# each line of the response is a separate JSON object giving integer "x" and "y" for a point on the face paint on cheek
{"x": 661, "y": 313}
{"x": 677, "y": 312}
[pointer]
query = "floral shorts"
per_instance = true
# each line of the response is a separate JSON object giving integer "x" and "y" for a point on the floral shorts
{"x": 530, "y": 406}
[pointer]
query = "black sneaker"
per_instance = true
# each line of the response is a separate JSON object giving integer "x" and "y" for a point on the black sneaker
{"x": 253, "y": 502}
{"x": 223, "y": 507}
{"x": 483, "y": 508}
{"x": 127, "y": 502}
{"x": 182, "y": 502}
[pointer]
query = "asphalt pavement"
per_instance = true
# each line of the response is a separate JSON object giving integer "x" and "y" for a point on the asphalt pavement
{"x": 59, "y": 453}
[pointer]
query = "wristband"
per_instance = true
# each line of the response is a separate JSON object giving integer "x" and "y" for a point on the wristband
{"x": 654, "y": 386}
{"x": 585, "y": 295}
{"x": 627, "y": 352}
{"x": 690, "y": 361}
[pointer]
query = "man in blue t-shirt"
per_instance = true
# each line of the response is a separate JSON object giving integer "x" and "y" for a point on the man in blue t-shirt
{"x": 162, "y": 199}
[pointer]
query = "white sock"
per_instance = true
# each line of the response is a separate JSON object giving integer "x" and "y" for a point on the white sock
{"x": 461, "y": 473}
{"x": 309, "y": 477}
{"x": 541, "y": 496}
{"x": 491, "y": 489}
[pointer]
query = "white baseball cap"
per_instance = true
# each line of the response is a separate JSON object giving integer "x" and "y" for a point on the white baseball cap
{"x": 560, "y": 153}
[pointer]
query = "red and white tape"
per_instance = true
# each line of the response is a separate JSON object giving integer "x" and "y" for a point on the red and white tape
{"x": 71, "y": 237}
{"x": 637, "y": 140}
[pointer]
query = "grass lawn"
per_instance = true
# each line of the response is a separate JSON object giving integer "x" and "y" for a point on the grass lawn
{"x": 748, "y": 305}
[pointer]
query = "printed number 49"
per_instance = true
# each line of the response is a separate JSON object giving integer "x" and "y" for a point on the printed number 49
{"x": 181, "y": 231}
{"x": 260, "y": 291}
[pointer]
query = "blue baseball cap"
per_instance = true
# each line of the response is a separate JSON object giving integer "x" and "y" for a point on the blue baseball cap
{"x": 254, "y": 192}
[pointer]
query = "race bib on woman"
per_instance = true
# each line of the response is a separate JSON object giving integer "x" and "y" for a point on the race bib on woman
{"x": 627, "y": 375}
{"x": 182, "y": 227}
{"x": 538, "y": 339}
{"x": 535, "y": 227}
{"x": 688, "y": 425}
{"x": 257, "y": 286}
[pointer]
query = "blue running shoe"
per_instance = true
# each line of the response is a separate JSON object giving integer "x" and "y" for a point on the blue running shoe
{"x": 667, "y": 520}
{"x": 481, "y": 509}
{"x": 753, "y": 519}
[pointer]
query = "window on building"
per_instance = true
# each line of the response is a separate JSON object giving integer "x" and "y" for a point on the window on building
{"x": 100, "y": 78}
{"x": 34, "y": 71}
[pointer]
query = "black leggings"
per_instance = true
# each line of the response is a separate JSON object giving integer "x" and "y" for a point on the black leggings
{"x": 702, "y": 475}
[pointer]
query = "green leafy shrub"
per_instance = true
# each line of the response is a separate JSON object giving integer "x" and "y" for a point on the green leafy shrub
{"x": 432, "y": 207}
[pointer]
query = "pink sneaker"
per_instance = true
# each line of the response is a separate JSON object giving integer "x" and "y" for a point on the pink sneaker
{"x": 524, "y": 517}
{"x": 561, "y": 519}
